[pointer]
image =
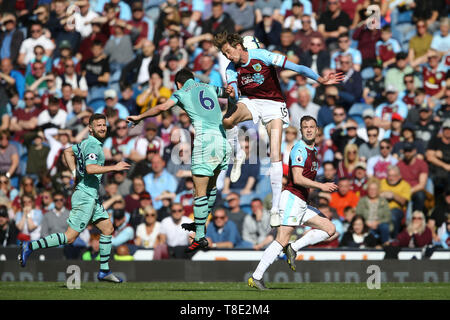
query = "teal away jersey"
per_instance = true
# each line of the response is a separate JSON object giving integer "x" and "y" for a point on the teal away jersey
{"x": 200, "y": 101}
{"x": 88, "y": 151}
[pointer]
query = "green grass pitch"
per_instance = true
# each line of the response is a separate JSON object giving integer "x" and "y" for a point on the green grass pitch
{"x": 222, "y": 291}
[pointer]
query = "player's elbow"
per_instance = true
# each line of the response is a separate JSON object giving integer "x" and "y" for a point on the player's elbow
{"x": 228, "y": 123}
{"x": 90, "y": 169}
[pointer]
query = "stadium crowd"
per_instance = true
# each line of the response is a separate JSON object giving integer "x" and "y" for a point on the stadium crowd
{"x": 384, "y": 132}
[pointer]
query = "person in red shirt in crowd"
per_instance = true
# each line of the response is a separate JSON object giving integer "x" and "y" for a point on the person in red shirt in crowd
{"x": 344, "y": 197}
{"x": 25, "y": 120}
{"x": 359, "y": 182}
{"x": 433, "y": 78}
{"x": 415, "y": 172}
{"x": 139, "y": 23}
{"x": 416, "y": 234}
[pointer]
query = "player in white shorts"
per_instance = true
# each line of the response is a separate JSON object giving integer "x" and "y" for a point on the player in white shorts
{"x": 252, "y": 75}
{"x": 294, "y": 210}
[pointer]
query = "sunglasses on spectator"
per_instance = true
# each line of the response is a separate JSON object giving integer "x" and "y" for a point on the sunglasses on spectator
{"x": 306, "y": 21}
{"x": 352, "y": 152}
{"x": 351, "y": 128}
{"x": 338, "y": 114}
{"x": 345, "y": 62}
{"x": 150, "y": 129}
{"x": 384, "y": 147}
{"x": 68, "y": 65}
{"x": 121, "y": 128}
{"x": 58, "y": 199}
{"x": 332, "y": 2}
{"x": 28, "y": 184}
{"x": 180, "y": 210}
{"x": 417, "y": 218}
{"x": 151, "y": 215}
{"x": 219, "y": 217}
{"x": 4, "y": 181}
{"x": 35, "y": 30}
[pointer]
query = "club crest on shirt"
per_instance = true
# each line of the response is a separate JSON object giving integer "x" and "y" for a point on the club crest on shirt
{"x": 257, "y": 67}
{"x": 258, "y": 78}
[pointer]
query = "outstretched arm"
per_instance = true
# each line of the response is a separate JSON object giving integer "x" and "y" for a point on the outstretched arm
{"x": 333, "y": 78}
{"x": 152, "y": 112}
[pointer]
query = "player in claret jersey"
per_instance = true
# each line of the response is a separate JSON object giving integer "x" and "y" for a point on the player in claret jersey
{"x": 294, "y": 210}
{"x": 252, "y": 73}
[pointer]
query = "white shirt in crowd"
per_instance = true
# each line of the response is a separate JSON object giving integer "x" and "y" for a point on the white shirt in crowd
{"x": 148, "y": 240}
{"x": 28, "y": 45}
{"x": 175, "y": 235}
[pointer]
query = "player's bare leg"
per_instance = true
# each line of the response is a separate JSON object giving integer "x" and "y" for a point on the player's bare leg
{"x": 275, "y": 131}
{"x": 270, "y": 255}
{"x": 107, "y": 229}
{"x": 324, "y": 230}
{"x": 239, "y": 115}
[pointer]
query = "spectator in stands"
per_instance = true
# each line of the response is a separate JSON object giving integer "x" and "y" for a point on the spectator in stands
{"x": 26, "y": 52}
{"x": 440, "y": 40}
{"x": 123, "y": 232}
{"x": 438, "y": 157}
{"x": 112, "y": 105}
{"x": 415, "y": 172}
{"x": 28, "y": 220}
{"x": 416, "y": 234}
{"x": 268, "y": 31}
{"x": 6, "y": 189}
{"x": 408, "y": 137}
{"x": 236, "y": 214}
{"x": 246, "y": 183}
{"x": 344, "y": 197}
{"x": 159, "y": 180}
{"x": 394, "y": 75}
{"x": 119, "y": 140}
{"x": 329, "y": 173}
{"x": 426, "y": 128}
{"x": 308, "y": 38}
{"x": 372, "y": 147}
{"x": 388, "y": 48}
{"x": 346, "y": 166}
{"x": 256, "y": 227}
{"x": 132, "y": 200}
{"x": 219, "y": 21}
{"x": 27, "y": 188}
{"x": 55, "y": 220}
{"x": 288, "y": 47}
{"x": 96, "y": 72}
{"x": 439, "y": 219}
{"x": 351, "y": 88}
{"x": 24, "y": 120}
{"x": 58, "y": 139}
{"x": 344, "y": 136}
{"x": 36, "y": 79}
{"x": 327, "y": 99}
{"x": 420, "y": 43}
{"x": 8, "y": 229}
{"x": 375, "y": 210}
{"x": 172, "y": 235}
{"x": 53, "y": 116}
{"x": 358, "y": 235}
{"x": 9, "y": 77}
{"x": 368, "y": 118}
{"x": 9, "y": 156}
{"x": 223, "y": 233}
{"x": 359, "y": 182}
{"x": 77, "y": 82}
{"x": 333, "y": 22}
{"x": 344, "y": 48}
{"x": 147, "y": 232}
{"x": 207, "y": 73}
{"x": 11, "y": 39}
{"x": 349, "y": 214}
{"x": 137, "y": 214}
{"x": 339, "y": 116}
{"x": 377, "y": 165}
{"x": 243, "y": 14}
{"x": 303, "y": 106}
{"x": 149, "y": 97}
{"x": 119, "y": 49}
{"x": 295, "y": 21}
{"x": 397, "y": 192}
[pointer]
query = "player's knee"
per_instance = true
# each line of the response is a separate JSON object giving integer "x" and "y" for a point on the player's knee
{"x": 228, "y": 123}
{"x": 330, "y": 229}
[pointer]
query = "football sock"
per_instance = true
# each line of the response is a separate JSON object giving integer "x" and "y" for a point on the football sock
{"x": 276, "y": 181}
{"x": 233, "y": 140}
{"x": 200, "y": 216}
{"x": 211, "y": 194}
{"x": 105, "y": 252}
{"x": 312, "y": 237}
{"x": 50, "y": 241}
{"x": 269, "y": 256}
